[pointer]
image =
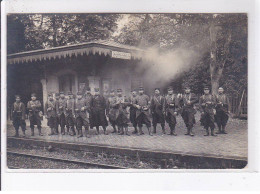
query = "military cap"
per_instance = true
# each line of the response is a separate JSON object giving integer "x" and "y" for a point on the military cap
{"x": 170, "y": 88}
{"x": 79, "y": 93}
{"x": 134, "y": 90}
{"x": 111, "y": 91}
{"x": 186, "y": 87}
{"x": 88, "y": 88}
{"x": 96, "y": 89}
{"x": 141, "y": 88}
{"x": 50, "y": 94}
{"x": 221, "y": 87}
{"x": 33, "y": 94}
{"x": 206, "y": 87}
{"x": 17, "y": 96}
{"x": 157, "y": 89}
{"x": 119, "y": 90}
{"x": 61, "y": 93}
{"x": 70, "y": 93}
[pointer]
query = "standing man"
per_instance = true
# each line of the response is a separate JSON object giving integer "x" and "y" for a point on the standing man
{"x": 56, "y": 131}
{"x": 133, "y": 110}
{"x": 142, "y": 113}
{"x": 80, "y": 110}
{"x": 70, "y": 114}
{"x": 61, "y": 111}
{"x": 98, "y": 106}
{"x": 222, "y": 110}
{"x": 207, "y": 104}
{"x": 18, "y": 115}
{"x": 158, "y": 110}
{"x": 187, "y": 112}
{"x": 88, "y": 98}
{"x": 121, "y": 113}
{"x": 112, "y": 110}
{"x": 171, "y": 110}
{"x": 50, "y": 113}
{"x": 34, "y": 108}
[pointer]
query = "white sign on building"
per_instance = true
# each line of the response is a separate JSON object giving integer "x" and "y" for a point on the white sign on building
{"x": 121, "y": 55}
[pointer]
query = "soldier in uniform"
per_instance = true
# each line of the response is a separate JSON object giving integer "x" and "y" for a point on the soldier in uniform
{"x": 18, "y": 115}
{"x": 88, "y": 98}
{"x": 56, "y": 131}
{"x": 158, "y": 110}
{"x": 207, "y": 104}
{"x": 50, "y": 113}
{"x": 222, "y": 110}
{"x": 171, "y": 106}
{"x": 112, "y": 110}
{"x": 70, "y": 114}
{"x": 81, "y": 117}
{"x": 98, "y": 107}
{"x": 133, "y": 110}
{"x": 34, "y": 107}
{"x": 61, "y": 111}
{"x": 142, "y": 104}
{"x": 187, "y": 111}
{"x": 121, "y": 113}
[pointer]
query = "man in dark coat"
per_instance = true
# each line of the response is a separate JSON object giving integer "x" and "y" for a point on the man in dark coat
{"x": 98, "y": 107}
{"x": 81, "y": 117}
{"x": 50, "y": 113}
{"x": 222, "y": 110}
{"x": 88, "y": 98}
{"x": 171, "y": 106}
{"x": 18, "y": 115}
{"x": 207, "y": 104}
{"x": 187, "y": 111}
{"x": 34, "y": 108}
{"x": 61, "y": 111}
{"x": 133, "y": 109}
{"x": 142, "y": 114}
{"x": 70, "y": 114}
{"x": 112, "y": 109}
{"x": 57, "y": 97}
{"x": 121, "y": 113}
{"x": 158, "y": 110}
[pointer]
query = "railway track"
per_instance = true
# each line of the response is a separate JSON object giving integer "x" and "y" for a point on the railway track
{"x": 56, "y": 159}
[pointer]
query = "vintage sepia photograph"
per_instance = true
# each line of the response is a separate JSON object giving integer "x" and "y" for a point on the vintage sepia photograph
{"x": 127, "y": 91}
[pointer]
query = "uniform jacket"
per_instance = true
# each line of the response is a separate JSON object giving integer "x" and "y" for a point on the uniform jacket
{"x": 112, "y": 108}
{"x": 222, "y": 102}
{"x": 50, "y": 108}
{"x": 70, "y": 103}
{"x": 98, "y": 103}
{"x": 88, "y": 99}
{"x": 121, "y": 105}
{"x": 34, "y": 107}
{"x": 18, "y": 110}
{"x": 171, "y": 104}
{"x": 80, "y": 104}
{"x": 132, "y": 101}
{"x": 184, "y": 101}
{"x": 144, "y": 102}
{"x": 158, "y": 105}
{"x": 61, "y": 106}
{"x": 204, "y": 100}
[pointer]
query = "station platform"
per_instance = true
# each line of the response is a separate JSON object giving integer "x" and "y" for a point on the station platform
{"x": 233, "y": 145}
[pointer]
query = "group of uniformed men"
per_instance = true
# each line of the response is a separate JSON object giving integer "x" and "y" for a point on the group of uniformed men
{"x": 90, "y": 111}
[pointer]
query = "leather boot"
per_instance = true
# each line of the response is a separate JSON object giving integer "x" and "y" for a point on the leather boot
{"x": 114, "y": 129}
{"x": 154, "y": 129}
{"x": 212, "y": 132}
{"x": 219, "y": 130}
{"x": 56, "y": 132}
{"x": 23, "y": 132}
{"x": 223, "y": 130}
{"x": 40, "y": 131}
{"x": 97, "y": 128}
{"x": 135, "y": 131}
{"x": 163, "y": 129}
{"x": 71, "y": 131}
{"x": 188, "y": 132}
{"x": 68, "y": 131}
{"x": 141, "y": 131}
{"x": 32, "y": 131}
{"x": 80, "y": 133}
{"x": 62, "y": 131}
{"x": 105, "y": 131}
{"x": 16, "y": 133}
{"x": 126, "y": 131}
{"x": 149, "y": 131}
{"x": 52, "y": 132}
{"x": 173, "y": 132}
{"x": 121, "y": 131}
{"x": 191, "y": 133}
{"x": 87, "y": 133}
{"x": 207, "y": 132}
